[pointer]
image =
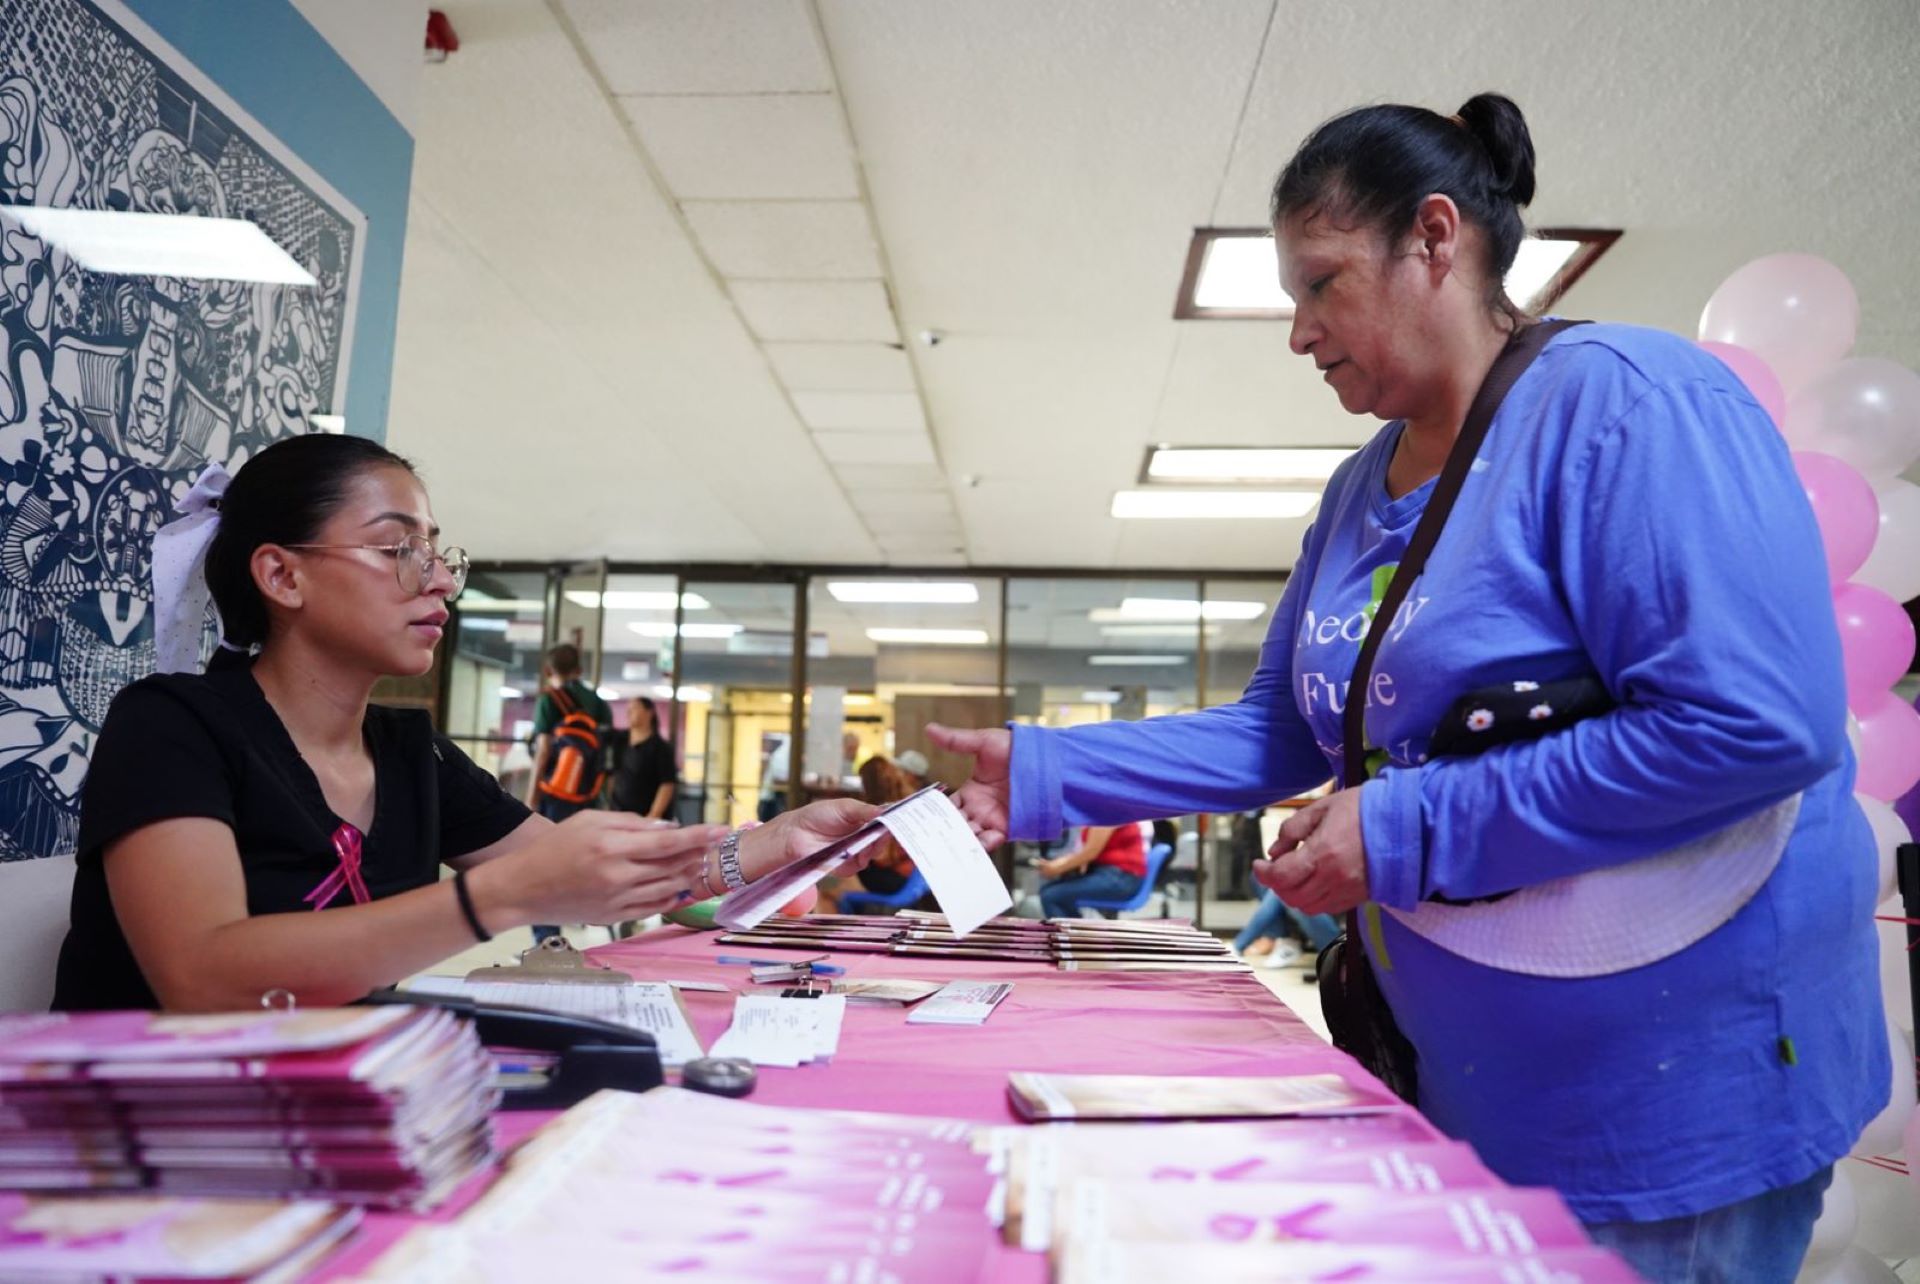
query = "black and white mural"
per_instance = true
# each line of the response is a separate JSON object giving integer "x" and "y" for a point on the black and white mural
{"x": 116, "y": 391}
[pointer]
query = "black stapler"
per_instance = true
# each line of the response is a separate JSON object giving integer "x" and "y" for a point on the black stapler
{"x": 592, "y": 1054}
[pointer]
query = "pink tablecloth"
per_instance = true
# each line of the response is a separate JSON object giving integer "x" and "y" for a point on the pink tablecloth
{"x": 1086, "y": 1022}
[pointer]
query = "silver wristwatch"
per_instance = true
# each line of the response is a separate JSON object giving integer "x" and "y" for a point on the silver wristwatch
{"x": 730, "y": 871}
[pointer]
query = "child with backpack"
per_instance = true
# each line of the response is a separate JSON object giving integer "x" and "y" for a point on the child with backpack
{"x": 572, "y": 727}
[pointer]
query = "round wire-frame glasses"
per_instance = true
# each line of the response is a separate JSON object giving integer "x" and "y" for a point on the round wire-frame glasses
{"x": 413, "y": 561}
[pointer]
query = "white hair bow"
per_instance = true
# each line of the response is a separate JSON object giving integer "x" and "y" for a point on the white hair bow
{"x": 180, "y": 592}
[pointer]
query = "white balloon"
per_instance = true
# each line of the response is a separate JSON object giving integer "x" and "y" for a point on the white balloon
{"x": 1887, "y": 1131}
{"x": 1889, "y": 1211}
{"x": 1893, "y": 566}
{"x": 1865, "y": 411}
{"x": 1833, "y": 1233}
{"x": 1853, "y": 738}
{"x": 1889, "y": 831}
{"x": 1858, "y": 1266}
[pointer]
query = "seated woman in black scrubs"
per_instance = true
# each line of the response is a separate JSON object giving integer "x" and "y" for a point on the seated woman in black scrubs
{"x": 222, "y": 810}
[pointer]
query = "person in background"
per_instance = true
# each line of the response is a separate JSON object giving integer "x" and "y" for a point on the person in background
{"x": 562, "y": 693}
{"x": 1597, "y": 941}
{"x": 565, "y": 779}
{"x": 1266, "y": 936}
{"x": 645, "y": 775}
{"x": 1107, "y": 866}
{"x": 913, "y": 769}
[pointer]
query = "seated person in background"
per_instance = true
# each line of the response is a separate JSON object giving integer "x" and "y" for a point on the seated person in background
{"x": 222, "y": 810}
{"x": 1107, "y": 866}
{"x": 645, "y": 776}
{"x": 913, "y": 768}
{"x": 1266, "y": 936}
{"x": 887, "y": 866}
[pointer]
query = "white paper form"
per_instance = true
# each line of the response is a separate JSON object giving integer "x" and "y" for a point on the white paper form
{"x": 772, "y": 1031}
{"x": 642, "y": 1005}
{"x": 956, "y": 866}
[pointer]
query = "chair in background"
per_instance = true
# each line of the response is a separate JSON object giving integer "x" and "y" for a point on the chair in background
{"x": 34, "y": 897}
{"x": 874, "y": 902}
{"x": 1157, "y": 857}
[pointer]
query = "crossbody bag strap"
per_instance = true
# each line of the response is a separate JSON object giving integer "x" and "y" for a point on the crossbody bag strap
{"x": 1512, "y": 362}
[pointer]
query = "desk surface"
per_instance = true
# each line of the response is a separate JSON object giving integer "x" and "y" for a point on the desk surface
{"x": 1070, "y": 1022}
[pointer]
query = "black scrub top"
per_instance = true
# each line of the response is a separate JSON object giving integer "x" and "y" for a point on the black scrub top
{"x": 180, "y": 745}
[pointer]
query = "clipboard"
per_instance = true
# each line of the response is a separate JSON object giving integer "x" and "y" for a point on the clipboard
{"x": 551, "y": 962}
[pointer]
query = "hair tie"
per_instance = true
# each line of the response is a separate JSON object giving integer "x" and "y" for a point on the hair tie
{"x": 1457, "y": 119}
{"x": 180, "y": 592}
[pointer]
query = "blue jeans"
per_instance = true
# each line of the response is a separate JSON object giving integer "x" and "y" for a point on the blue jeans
{"x": 1272, "y": 913}
{"x": 1756, "y": 1241}
{"x": 555, "y": 810}
{"x": 1061, "y": 898}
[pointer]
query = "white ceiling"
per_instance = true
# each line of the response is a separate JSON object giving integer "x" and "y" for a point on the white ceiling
{"x": 669, "y": 259}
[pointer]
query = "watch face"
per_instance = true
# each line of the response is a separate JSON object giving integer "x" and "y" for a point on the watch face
{"x": 721, "y": 1076}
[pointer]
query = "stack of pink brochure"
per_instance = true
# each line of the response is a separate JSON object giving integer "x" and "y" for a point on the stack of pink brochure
{"x": 67, "y": 1238}
{"x": 1376, "y": 1197}
{"x": 672, "y": 1184}
{"x": 377, "y": 1105}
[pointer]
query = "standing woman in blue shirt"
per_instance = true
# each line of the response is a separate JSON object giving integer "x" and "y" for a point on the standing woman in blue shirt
{"x": 1674, "y": 1018}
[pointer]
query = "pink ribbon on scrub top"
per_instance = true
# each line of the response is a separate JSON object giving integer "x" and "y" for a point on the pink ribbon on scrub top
{"x": 346, "y": 845}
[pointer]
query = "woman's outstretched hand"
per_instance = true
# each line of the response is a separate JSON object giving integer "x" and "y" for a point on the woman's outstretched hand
{"x": 983, "y": 799}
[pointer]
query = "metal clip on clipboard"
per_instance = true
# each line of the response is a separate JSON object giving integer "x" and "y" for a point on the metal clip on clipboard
{"x": 592, "y": 1054}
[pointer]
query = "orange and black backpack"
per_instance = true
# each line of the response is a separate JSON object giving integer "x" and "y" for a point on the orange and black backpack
{"x": 577, "y": 768}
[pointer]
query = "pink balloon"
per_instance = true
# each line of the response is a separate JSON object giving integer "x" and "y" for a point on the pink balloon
{"x": 1845, "y": 507}
{"x": 1889, "y": 747}
{"x": 1796, "y": 312}
{"x": 1865, "y": 410}
{"x": 1756, "y": 374}
{"x": 1876, "y": 642}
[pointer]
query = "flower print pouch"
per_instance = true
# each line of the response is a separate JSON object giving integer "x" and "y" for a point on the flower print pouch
{"x": 1510, "y": 712}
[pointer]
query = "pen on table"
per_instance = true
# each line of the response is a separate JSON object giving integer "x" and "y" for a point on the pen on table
{"x": 736, "y": 958}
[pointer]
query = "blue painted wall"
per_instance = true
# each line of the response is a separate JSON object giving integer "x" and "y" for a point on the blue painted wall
{"x": 282, "y": 71}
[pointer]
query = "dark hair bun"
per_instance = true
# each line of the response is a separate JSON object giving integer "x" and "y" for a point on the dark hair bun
{"x": 1497, "y": 124}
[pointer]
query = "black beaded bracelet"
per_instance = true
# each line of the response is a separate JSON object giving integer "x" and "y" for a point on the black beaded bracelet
{"x": 466, "y": 907}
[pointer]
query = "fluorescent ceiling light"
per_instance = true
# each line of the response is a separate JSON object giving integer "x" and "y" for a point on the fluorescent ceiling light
{"x": 483, "y": 624}
{"x": 328, "y": 423}
{"x": 512, "y": 693}
{"x": 1176, "y": 608}
{"x": 1214, "y": 504}
{"x": 1188, "y": 631}
{"x": 686, "y": 695}
{"x": 472, "y": 600}
{"x": 1100, "y": 697}
{"x": 664, "y": 629}
{"x": 1258, "y": 464}
{"x": 1535, "y": 265}
{"x": 930, "y": 637}
{"x": 919, "y": 592}
{"x": 125, "y": 243}
{"x": 1240, "y": 273}
{"x": 608, "y": 693}
{"x": 634, "y": 600}
{"x": 1233, "y": 274}
{"x": 1132, "y": 660}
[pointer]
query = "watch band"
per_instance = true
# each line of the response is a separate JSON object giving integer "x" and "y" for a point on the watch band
{"x": 730, "y": 871}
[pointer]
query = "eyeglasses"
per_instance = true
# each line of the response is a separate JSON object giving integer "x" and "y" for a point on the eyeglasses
{"x": 413, "y": 562}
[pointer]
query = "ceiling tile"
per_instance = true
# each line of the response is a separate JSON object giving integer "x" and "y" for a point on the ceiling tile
{"x": 845, "y": 310}
{"x": 859, "y": 477}
{"x": 914, "y": 503}
{"x": 862, "y": 367}
{"x": 862, "y": 411}
{"x": 786, "y": 240}
{"x": 703, "y": 46}
{"x": 772, "y": 146}
{"x": 874, "y": 447}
